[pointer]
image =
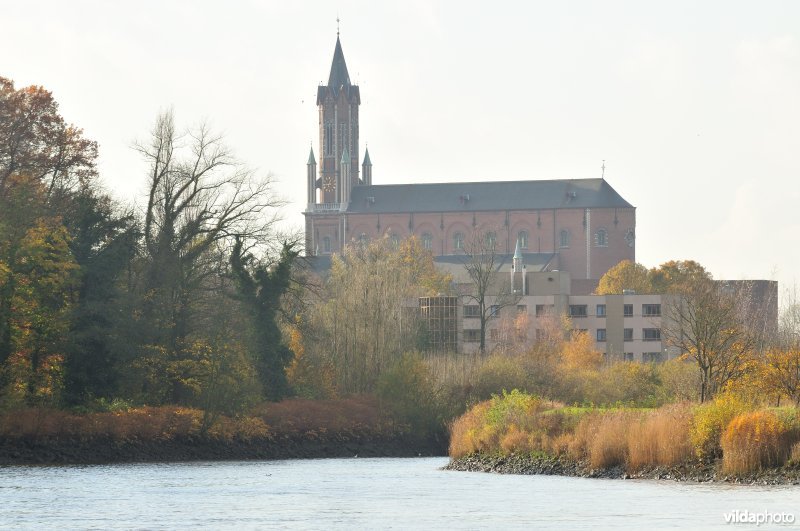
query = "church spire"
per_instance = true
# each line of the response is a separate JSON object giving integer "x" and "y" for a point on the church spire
{"x": 338, "y": 77}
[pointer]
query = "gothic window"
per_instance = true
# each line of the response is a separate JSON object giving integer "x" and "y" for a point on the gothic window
{"x": 522, "y": 238}
{"x": 602, "y": 238}
{"x": 427, "y": 241}
{"x": 458, "y": 241}
{"x": 326, "y": 245}
{"x": 564, "y": 240}
{"x": 491, "y": 240}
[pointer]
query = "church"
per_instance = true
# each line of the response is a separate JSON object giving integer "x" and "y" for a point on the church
{"x": 579, "y": 226}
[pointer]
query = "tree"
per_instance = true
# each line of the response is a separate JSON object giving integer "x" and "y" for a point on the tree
{"x": 707, "y": 325}
{"x": 103, "y": 244}
{"x": 36, "y": 141}
{"x": 261, "y": 292}
{"x": 679, "y": 276}
{"x": 485, "y": 289}
{"x": 200, "y": 197}
{"x": 626, "y": 275}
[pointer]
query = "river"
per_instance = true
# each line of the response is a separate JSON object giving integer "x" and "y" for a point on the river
{"x": 360, "y": 493}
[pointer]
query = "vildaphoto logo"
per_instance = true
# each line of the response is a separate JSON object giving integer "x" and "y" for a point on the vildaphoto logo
{"x": 758, "y": 518}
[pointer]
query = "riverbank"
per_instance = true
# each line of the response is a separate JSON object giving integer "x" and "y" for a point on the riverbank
{"x": 562, "y": 466}
{"x": 102, "y": 450}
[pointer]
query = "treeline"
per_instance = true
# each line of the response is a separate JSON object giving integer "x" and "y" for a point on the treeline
{"x": 173, "y": 303}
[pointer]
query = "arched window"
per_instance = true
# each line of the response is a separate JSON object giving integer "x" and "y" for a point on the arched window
{"x": 602, "y": 238}
{"x": 522, "y": 238}
{"x": 564, "y": 241}
{"x": 427, "y": 241}
{"x": 491, "y": 240}
{"x": 458, "y": 241}
{"x": 395, "y": 239}
{"x": 326, "y": 245}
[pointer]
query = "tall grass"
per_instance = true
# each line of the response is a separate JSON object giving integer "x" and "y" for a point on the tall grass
{"x": 754, "y": 441}
{"x": 661, "y": 438}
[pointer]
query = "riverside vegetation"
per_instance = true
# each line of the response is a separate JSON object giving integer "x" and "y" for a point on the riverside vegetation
{"x": 191, "y": 328}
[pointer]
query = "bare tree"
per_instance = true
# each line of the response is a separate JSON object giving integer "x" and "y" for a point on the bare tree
{"x": 199, "y": 198}
{"x": 707, "y": 323}
{"x": 487, "y": 289}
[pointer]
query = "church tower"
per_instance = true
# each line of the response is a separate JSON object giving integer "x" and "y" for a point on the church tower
{"x": 338, "y": 103}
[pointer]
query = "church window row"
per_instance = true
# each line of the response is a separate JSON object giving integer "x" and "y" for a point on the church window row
{"x": 329, "y": 138}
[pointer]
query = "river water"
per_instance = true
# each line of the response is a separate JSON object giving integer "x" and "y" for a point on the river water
{"x": 361, "y": 494}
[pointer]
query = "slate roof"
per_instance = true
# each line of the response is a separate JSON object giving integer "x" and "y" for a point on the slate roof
{"x": 338, "y": 77}
{"x": 483, "y": 196}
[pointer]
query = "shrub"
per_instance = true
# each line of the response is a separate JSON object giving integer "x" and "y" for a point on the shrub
{"x": 498, "y": 374}
{"x": 407, "y": 390}
{"x": 710, "y": 420}
{"x": 753, "y": 441}
{"x": 794, "y": 457}
{"x": 515, "y": 441}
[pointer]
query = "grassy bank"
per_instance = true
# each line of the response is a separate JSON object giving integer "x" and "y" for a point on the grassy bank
{"x": 731, "y": 437}
{"x": 289, "y": 429}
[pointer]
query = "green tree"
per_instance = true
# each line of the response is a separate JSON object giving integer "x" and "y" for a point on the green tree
{"x": 261, "y": 292}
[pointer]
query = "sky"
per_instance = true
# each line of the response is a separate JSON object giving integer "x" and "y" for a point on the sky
{"x": 693, "y": 106}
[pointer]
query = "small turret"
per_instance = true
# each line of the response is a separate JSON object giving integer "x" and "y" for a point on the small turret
{"x": 311, "y": 176}
{"x": 366, "y": 168}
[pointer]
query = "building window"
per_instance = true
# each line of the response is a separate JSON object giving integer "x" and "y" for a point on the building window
{"x": 522, "y": 238}
{"x": 577, "y": 310}
{"x": 544, "y": 309}
{"x": 564, "y": 242}
{"x": 326, "y": 245}
{"x": 472, "y": 336}
{"x": 427, "y": 241}
{"x": 651, "y": 334}
{"x": 601, "y": 310}
{"x": 395, "y": 239}
{"x": 627, "y": 334}
{"x": 652, "y": 357}
{"x": 522, "y": 308}
{"x": 491, "y": 240}
{"x": 494, "y": 334}
{"x": 651, "y": 310}
{"x": 494, "y": 310}
{"x": 602, "y": 238}
{"x": 628, "y": 310}
{"x": 628, "y": 356}
{"x": 601, "y": 334}
{"x": 471, "y": 311}
{"x": 343, "y": 136}
{"x": 458, "y": 241}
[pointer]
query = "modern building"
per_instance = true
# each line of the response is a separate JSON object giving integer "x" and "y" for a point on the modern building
{"x": 581, "y": 226}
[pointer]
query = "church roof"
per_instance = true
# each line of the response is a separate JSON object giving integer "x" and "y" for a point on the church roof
{"x": 483, "y": 196}
{"x": 339, "y": 76}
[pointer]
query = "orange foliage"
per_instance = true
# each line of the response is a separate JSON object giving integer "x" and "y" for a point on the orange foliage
{"x": 753, "y": 441}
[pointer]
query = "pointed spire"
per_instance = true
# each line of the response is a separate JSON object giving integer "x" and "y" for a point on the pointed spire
{"x": 367, "y": 162}
{"x": 339, "y": 76}
{"x": 345, "y": 156}
{"x": 311, "y": 159}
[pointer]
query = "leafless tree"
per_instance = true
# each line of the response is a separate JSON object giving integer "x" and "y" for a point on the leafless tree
{"x": 708, "y": 324}
{"x": 487, "y": 289}
{"x": 199, "y": 198}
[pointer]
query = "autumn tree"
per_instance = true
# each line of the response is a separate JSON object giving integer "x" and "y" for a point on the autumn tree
{"x": 365, "y": 318}
{"x": 626, "y": 275}
{"x": 36, "y": 141}
{"x": 707, "y": 325}
{"x": 679, "y": 277}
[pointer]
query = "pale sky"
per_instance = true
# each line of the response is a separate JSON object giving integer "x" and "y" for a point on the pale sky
{"x": 695, "y": 106}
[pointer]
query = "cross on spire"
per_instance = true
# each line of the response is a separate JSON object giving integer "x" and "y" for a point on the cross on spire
{"x": 603, "y": 167}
